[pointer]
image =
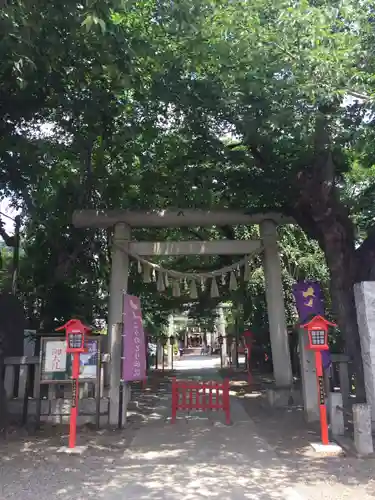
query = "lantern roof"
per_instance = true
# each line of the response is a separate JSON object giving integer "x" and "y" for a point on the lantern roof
{"x": 318, "y": 321}
{"x": 74, "y": 324}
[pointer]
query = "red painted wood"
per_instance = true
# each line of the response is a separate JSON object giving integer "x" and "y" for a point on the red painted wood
{"x": 74, "y": 408}
{"x": 192, "y": 395}
{"x": 322, "y": 407}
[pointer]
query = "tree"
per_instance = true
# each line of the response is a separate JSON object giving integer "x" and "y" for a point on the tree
{"x": 275, "y": 76}
{"x": 193, "y": 104}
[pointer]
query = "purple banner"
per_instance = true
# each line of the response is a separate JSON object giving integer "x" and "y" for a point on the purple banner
{"x": 310, "y": 302}
{"x": 309, "y": 299}
{"x": 326, "y": 359}
{"x": 133, "y": 341}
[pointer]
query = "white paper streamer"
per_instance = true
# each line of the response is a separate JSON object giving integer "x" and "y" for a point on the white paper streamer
{"x": 146, "y": 274}
{"x": 232, "y": 282}
{"x": 176, "y": 292}
{"x": 166, "y": 280}
{"x": 160, "y": 286}
{"x": 214, "y": 292}
{"x": 193, "y": 290}
{"x": 247, "y": 270}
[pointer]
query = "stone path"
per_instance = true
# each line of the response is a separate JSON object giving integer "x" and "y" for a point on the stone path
{"x": 198, "y": 458}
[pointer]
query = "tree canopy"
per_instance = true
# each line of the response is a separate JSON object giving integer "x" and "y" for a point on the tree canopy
{"x": 219, "y": 103}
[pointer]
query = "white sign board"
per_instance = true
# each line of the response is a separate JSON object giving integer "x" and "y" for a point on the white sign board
{"x": 89, "y": 361}
{"x": 55, "y": 356}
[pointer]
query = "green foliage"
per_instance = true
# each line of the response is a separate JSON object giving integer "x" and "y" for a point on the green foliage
{"x": 145, "y": 104}
{"x": 5, "y": 268}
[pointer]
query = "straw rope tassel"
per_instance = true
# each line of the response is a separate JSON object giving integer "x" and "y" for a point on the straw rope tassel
{"x": 160, "y": 286}
{"x": 214, "y": 289}
{"x": 146, "y": 274}
{"x": 166, "y": 280}
{"x": 202, "y": 283}
{"x": 232, "y": 282}
{"x": 247, "y": 270}
{"x": 176, "y": 292}
{"x": 193, "y": 290}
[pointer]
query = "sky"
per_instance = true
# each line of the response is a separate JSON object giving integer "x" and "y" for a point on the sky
{"x": 45, "y": 130}
{"x": 7, "y": 210}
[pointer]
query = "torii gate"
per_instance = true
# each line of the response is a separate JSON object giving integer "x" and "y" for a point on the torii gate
{"x": 123, "y": 220}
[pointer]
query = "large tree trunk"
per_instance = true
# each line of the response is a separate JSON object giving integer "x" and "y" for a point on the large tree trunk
{"x": 3, "y": 400}
{"x": 335, "y": 234}
{"x": 321, "y": 214}
{"x": 341, "y": 261}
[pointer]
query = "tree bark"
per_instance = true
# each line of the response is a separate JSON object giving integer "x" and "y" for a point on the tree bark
{"x": 341, "y": 260}
{"x": 334, "y": 230}
{"x": 321, "y": 214}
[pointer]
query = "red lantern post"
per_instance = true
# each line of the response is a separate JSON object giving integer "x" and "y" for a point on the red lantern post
{"x": 75, "y": 344}
{"x": 317, "y": 329}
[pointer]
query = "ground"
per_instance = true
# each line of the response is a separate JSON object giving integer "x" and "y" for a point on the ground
{"x": 262, "y": 455}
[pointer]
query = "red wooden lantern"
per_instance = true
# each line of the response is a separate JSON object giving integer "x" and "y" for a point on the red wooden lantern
{"x": 75, "y": 344}
{"x": 317, "y": 329}
{"x": 76, "y": 332}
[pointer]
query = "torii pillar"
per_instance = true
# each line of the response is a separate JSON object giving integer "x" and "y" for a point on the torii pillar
{"x": 220, "y": 324}
{"x": 117, "y": 287}
{"x": 171, "y": 333}
{"x": 282, "y": 367}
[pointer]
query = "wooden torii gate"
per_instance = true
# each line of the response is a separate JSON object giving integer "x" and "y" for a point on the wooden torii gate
{"x": 124, "y": 220}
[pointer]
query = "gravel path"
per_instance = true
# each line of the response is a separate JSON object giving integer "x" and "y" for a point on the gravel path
{"x": 265, "y": 457}
{"x": 286, "y": 432}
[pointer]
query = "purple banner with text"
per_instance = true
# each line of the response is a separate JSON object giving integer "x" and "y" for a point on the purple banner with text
{"x": 133, "y": 341}
{"x": 309, "y": 299}
{"x": 310, "y": 302}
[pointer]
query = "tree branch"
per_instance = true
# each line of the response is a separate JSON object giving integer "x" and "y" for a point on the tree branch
{"x": 199, "y": 236}
{"x": 8, "y": 240}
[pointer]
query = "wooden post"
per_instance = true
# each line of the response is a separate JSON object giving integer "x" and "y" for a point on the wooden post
{"x": 322, "y": 398}
{"x": 74, "y": 409}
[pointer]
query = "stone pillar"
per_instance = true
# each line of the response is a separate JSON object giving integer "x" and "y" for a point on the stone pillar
{"x": 336, "y": 414}
{"x": 344, "y": 382}
{"x": 169, "y": 347}
{"x": 115, "y": 375}
{"x": 365, "y": 303}
{"x": 362, "y": 429}
{"x": 117, "y": 287}
{"x": 220, "y": 322}
{"x": 308, "y": 379}
{"x": 160, "y": 356}
{"x": 282, "y": 367}
{"x": 28, "y": 350}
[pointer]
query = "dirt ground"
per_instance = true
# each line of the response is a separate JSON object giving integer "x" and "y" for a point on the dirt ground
{"x": 296, "y": 435}
{"x": 284, "y": 430}
{"x": 56, "y": 435}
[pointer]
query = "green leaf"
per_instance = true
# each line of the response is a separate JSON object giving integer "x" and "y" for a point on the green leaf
{"x": 88, "y": 22}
